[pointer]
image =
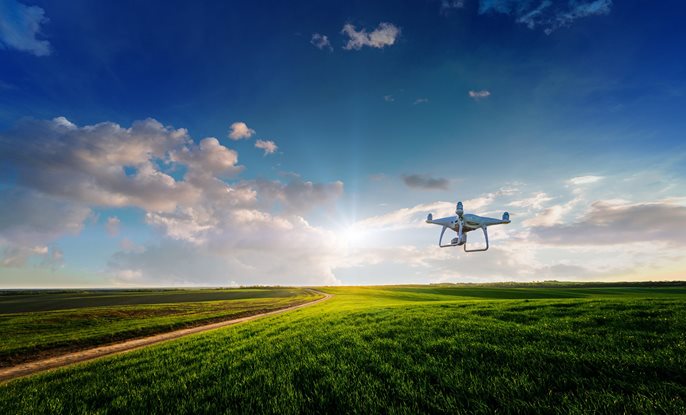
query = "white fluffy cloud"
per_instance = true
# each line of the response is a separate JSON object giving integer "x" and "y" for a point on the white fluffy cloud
{"x": 211, "y": 225}
{"x": 102, "y": 164}
{"x": 321, "y": 42}
{"x": 20, "y": 26}
{"x": 240, "y": 130}
{"x": 268, "y": 146}
{"x": 384, "y": 35}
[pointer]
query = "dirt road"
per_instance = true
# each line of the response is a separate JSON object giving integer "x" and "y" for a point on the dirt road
{"x": 31, "y": 368}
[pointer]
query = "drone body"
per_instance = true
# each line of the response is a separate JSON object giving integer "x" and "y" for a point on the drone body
{"x": 463, "y": 223}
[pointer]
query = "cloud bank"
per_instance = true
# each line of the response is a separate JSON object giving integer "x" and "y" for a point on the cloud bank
{"x": 212, "y": 226}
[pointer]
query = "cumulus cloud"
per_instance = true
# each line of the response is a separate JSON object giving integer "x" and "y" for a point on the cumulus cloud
{"x": 425, "y": 182}
{"x": 188, "y": 191}
{"x": 619, "y": 223}
{"x": 239, "y": 130}
{"x": 20, "y": 26}
{"x": 112, "y": 225}
{"x": 321, "y": 42}
{"x": 546, "y": 14}
{"x": 102, "y": 164}
{"x": 384, "y": 35}
{"x": 209, "y": 158}
{"x": 268, "y": 146}
{"x": 477, "y": 95}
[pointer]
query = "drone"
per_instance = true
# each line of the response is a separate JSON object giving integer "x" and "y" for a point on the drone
{"x": 463, "y": 223}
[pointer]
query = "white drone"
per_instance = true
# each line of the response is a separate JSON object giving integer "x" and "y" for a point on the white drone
{"x": 465, "y": 223}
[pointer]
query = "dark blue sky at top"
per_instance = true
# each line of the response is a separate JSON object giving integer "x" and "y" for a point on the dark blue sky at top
{"x": 606, "y": 90}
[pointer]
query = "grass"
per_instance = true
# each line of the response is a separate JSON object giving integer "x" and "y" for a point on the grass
{"x": 102, "y": 317}
{"x": 402, "y": 350}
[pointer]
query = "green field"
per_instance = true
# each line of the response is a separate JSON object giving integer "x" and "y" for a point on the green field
{"x": 37, "y": 324}
{"x": 402, "y": 350}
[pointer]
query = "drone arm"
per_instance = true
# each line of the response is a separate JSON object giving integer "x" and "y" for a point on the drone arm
{"x": 482, "y": 249}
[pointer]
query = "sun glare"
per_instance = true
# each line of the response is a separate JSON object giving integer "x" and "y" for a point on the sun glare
{"x": 353, "y": 235}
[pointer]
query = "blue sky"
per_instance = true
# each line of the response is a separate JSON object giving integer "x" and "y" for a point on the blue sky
{"x": 352, "y": 120}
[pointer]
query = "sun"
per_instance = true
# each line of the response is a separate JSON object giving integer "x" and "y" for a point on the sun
{"x": 353, "y": 235}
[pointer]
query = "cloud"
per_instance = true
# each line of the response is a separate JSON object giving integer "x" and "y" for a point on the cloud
{"x": 421, "y": 101}
{"x": 210, "y": 224}
{"x": 268, "y": 146}
{"x": 388, "y": 98}
{"x": 104, "y": 164}
{"x": 550, "y": 216}
{"x": 546, "y": 14}
{"x": 384, "y": 35}
{"x": 209, "y": 158}
{"x": 415, "y": 216}
{"x": 447, "y": 5}
{"x": 19, "y": 27}
{"x": 298, "y": 196}
{"x": 239, "y": 130}
{"x": 607, "y": 223}
{"x": 29, "y": 224}
{"x": 112, "y": 225}
{"x": 534, "y": 202}
{"x": 581, "y": 180}
{"x": 321, "y": 42}
{"x": 422, "y": 181}
{"x": 404, "y": 218}
{"x": 477, "y": 95}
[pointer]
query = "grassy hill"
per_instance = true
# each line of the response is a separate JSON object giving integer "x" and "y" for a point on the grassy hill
{"x": 403, "y": 349}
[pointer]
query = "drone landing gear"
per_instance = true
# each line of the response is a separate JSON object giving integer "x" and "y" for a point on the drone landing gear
{"x": 462, "y": 240}
{"x": 481, "y": 249}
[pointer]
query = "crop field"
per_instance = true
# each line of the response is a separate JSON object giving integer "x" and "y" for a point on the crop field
{"x": 39, "y": 324}
{"x": 406, "y": 349}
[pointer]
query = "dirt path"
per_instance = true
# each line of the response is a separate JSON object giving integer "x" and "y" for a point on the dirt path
{"x": 31, "y": 368}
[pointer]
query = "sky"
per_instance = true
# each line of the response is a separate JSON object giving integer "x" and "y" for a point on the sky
{"x": 303, "y": 143}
